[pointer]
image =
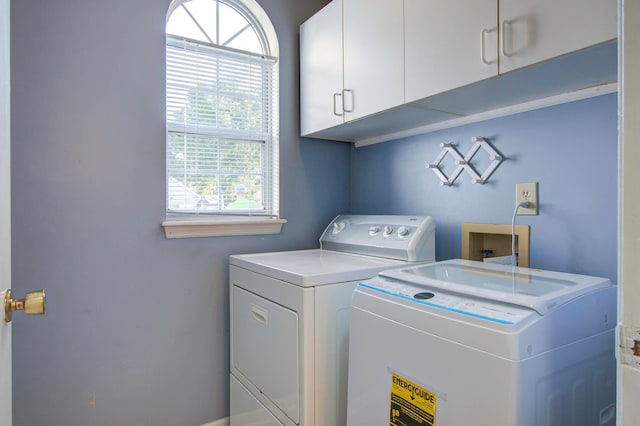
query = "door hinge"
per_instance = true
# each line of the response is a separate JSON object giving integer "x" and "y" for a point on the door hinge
{"x": 628, "y": 345}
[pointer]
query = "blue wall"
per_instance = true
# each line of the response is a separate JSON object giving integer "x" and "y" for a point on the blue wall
{"x": 136, "y": 323}
{"x": 570, "y": 149}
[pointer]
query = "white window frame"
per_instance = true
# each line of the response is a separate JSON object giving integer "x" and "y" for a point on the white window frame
{"x": 189, "y": 224}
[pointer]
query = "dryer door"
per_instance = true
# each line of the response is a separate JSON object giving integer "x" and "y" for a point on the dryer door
{"x": 265, "y": 349}
{"x": 246, "y": 410}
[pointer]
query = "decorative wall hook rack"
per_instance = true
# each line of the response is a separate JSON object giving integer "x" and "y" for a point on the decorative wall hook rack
{"x": 464, "y": 163}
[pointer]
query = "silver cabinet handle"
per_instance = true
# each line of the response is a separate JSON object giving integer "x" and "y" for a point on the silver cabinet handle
{"x": 505, "y": 23}
{"x": 335, "y": 111}
{"x": 483, "y": 34}
{"x": 344, "y": 107}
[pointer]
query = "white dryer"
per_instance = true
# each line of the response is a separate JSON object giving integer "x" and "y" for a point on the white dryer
{"x": 290, "y": 317}
{"x": 461, "y": 343}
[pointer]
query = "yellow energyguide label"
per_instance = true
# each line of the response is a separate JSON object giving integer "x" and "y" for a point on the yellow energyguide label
{"x": 411, "y": 404}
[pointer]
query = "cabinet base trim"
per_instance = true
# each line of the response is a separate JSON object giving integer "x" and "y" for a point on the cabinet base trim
{"x": 577, "y": 95}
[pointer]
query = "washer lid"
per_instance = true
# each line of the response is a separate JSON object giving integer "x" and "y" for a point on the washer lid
{"x": 531, "y": 288}
{"x": 314, "y": 267}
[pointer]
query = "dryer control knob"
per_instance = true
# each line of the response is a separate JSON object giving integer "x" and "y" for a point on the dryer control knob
{"x": 374, "y": 230}
{"x": 403, "y": 231}
{"x": 387, "y": 231}
{"x": 338, "y": 227}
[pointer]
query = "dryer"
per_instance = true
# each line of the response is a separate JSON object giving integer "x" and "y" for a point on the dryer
{"x": 469, "y": 343}
{"x": 289, "y": 314}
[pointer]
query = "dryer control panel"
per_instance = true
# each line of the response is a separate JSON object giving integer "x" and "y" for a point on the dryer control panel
{"x": 409, "y": 238}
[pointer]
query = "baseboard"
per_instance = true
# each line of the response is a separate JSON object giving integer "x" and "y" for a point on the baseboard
{"x": 219, "y": 422}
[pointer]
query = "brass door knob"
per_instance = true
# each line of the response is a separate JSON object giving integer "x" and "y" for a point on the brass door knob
{"x": 33, "y": 304}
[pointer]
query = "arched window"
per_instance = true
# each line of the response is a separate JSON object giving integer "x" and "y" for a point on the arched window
{"x": 222, "y": 109}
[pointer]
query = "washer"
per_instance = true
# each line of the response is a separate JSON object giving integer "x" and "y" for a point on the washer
{"x": 469, "y": 343}
{"x": 290, "y": 317}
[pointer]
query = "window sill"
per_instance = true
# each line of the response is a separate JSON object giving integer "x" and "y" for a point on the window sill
{"x": 221, "y": 227}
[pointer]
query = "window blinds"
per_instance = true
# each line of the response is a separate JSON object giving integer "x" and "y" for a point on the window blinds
{"x": 221, "y": 130}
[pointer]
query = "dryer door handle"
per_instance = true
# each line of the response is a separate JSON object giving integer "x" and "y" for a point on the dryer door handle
{"x": 259, "y": 314}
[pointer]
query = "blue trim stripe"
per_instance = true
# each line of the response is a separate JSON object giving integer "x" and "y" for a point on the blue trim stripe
{"x": 433, "y": 305}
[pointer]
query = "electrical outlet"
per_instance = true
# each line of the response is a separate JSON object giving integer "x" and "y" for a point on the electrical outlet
{"x": 527, "y": 192}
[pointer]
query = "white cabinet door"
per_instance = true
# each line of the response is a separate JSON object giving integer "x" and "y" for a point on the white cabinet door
{"x": 373, "y": 56}
{"x": 448, "y": 44}
{"x": 534, "y": 31}
{"x": 321, "y": 70}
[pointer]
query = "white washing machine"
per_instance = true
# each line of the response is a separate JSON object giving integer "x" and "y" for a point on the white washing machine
{"x": 460, "y": 343}
{"x": 290, "y": 317}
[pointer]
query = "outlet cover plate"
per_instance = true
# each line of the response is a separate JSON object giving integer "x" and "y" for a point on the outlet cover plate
{"x": 527, "y": 192}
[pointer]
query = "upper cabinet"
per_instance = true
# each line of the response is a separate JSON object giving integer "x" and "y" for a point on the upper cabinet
{"x": 373, "y": 56}
{"x": 448, "y": 44}
{"x": 535, "y": 31}
{"x": 452, "y": 43}
{"x": 351, "y": 62}
{"x": 321, "y": 70}
{"x": 375, "y": 67}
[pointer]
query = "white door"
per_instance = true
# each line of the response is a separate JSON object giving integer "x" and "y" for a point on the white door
{"x": 5, "y": 215}
{"x": 629, "y": 229}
